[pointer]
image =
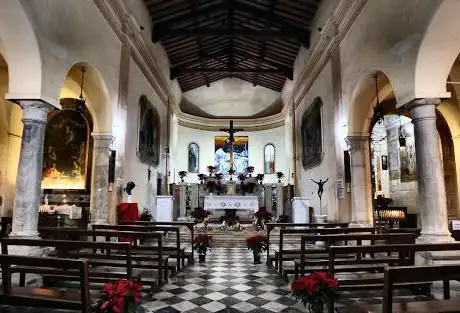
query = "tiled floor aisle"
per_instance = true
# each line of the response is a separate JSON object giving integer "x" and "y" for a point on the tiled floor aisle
{"x": 227, "y": 282}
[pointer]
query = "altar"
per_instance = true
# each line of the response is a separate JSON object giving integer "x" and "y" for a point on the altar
{"x": 231, "y": 202}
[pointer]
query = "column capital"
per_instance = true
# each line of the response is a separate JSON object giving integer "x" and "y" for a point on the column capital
{"x": 357, "y": 143}
{"x": 421, "y": 102}
{"x": 35, "y": 111}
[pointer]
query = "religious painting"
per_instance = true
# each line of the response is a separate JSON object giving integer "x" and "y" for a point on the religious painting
{"x": 407, "y": 161}
{"x": 311, "y": 135}
{"x": 193, "y": 158}
{"x": 65, "y": 153}
{"x": 269, "y": 159}
{"x": 379, "y": 175}
{"x": 149, "y": 133}
{"x": 393, "y": 159}
{"x": 384, "y": 162}
{"x": 222, "y": 154}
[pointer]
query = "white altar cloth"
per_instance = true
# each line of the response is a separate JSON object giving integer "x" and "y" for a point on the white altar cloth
{"x": 243, "y": 203}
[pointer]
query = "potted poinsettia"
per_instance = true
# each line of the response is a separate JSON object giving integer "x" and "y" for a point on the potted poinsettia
{"x": 182, "y": 175}
{"x": 257, "y": 244}
{"x": 211, "y": 185}
{"x": 279, "y": 175}
{"x": 241, "y": 177}
{"x": 260, "y": 178}
{"x": 200, "y": 214}
{"x": 201, "y": 177}
{"x": 250, "y": 170}
{"x": 121, "y": 296}
{"x": 211, "y": 169}
{"x": 202, "y": 243}
{"x": 315, "y": 291}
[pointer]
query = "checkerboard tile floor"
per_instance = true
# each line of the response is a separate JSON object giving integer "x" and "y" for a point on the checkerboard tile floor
{"x": 227, "y": 282}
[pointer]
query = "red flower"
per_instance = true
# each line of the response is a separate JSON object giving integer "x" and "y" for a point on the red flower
{"x": 118, "y": 296}
{"x": 315, "y": 289}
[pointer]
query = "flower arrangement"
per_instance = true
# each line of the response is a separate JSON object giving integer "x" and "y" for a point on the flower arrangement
{"x": 262, "y": 213}
{"x": 219, "y": 176}
{"x": 250, "y": 169}
{"x": 122, "y": 296}
{"x": 182, "y": 175}
{"x": 202, "y": 243}
{"x": 257, "y": 244}
{"x": 199, "y": 213}
{"x": 201, "y": 177}
{"x": 241, "y": 177}
{"x": 315, "y": 290}
{"x": 211, "y": 185}
{"x": 231, "y": 171}
{"x": 260, "y": 178}
{"x": 146, "y": 216}
{"x": 211, "y": 169}
{"x": 279, "y": 175}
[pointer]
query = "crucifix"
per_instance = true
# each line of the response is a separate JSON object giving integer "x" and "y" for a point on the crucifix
{"x": 231, "y": 139}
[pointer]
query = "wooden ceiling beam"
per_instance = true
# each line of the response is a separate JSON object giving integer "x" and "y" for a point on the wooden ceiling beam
{"x": 176, "y": 71}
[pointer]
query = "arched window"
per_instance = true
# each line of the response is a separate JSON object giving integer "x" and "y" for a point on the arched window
{"x": 193, "y": 158}
{"x": 148, "y": 149}
{"x": 269, "y": 159}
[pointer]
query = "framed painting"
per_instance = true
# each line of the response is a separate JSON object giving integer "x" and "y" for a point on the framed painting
{"x": 311, "y": 135}
{"x": 148, "y": 150}
{"x": 408, "y": 161}
{"x": 269, "y": 159}
{"x": 65, "y": 153}
{"x": 222, "y": 154}
{"x": 193, "y": 158}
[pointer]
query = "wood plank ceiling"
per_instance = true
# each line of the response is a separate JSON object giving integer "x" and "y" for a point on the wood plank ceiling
{"x": 254, "y": 40}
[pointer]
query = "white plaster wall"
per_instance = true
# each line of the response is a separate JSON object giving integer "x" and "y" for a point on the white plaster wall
{"x": 322, "y": 87}
{"x": 257, "y": 142}
{"x": 134, "y": 169}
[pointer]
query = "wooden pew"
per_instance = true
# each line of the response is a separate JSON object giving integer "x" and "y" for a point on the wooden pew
{"x": 272, "y": 226}
{"x": 392, "y": 254}
{"x": 332, "y": 239}
{"x": 173, "y": 251}
{"x": 286, "y": 254}
{"x": 41, "y": 297}
{"x": 157, "y": 260}
{"x": 415, "y": 274}
{"x": 118, "y": 255}
{"x": 189, "y": 225}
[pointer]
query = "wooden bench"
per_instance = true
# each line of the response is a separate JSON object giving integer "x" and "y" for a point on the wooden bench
{"x": 272, "y": 226}
{"x": 156, "y": 260}
{"x": 189, "y": 225}
{"x": 176, "y": 251}
{"x": 45, "y": 297}
{"x": 320, "y": 256}
{"x": 389, "y": 255}
{"x": 117, "y": 255}
{"x": 415, "y": 274}
{"x": 282, "y": 254}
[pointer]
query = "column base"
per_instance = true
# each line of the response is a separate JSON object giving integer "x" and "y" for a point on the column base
{"x": 320, "y": 219}
{"x": 358, "y": 224}
{"x": 435, "y": 237}
{"x": 437, "y": 258}
{"x": 25, "y": 234}
{"x": 100, "y": 222}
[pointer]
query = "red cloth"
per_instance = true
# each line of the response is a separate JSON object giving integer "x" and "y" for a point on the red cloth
{"x": 128, "y": 212}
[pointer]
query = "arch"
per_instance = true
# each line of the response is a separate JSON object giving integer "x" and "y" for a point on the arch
{"x": 94, "y": 91}
{"x": 361, "y": 108}
{"x": 22, "y": 55}
{"x": 440, "y": 44}
{"x": 269, "y": 158}
{"x": 193, "y": 158}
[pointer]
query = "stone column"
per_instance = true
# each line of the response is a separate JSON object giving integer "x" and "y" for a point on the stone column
{"x": 361, "y": 202}
{"x": 100, "y": 178}
{"x": 183, "y": 199}
{"x": 430, "y": 176}
{"x": 28, "y": 191}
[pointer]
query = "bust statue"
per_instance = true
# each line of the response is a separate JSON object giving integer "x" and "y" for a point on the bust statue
{"x": 128, "y": 189}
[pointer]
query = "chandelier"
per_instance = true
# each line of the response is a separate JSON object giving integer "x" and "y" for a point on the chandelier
{"x": 80, "y": 102}
{"x": 378, "y": 109}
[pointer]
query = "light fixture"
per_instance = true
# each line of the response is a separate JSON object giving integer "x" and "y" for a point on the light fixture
{"x": 378, "y": 109}
{"x": 81, "y": 103}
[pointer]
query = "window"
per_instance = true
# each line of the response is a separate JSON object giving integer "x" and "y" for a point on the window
{"x": 269, "y": 159}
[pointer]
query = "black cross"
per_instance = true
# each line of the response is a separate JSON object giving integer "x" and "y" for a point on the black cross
{"x": 231, "y": 131}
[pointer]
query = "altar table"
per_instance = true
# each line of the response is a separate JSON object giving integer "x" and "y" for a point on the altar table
{"x": 232, "y": 202}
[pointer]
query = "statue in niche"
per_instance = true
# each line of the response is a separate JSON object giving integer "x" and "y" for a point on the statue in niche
{"x": 129, "y": 189}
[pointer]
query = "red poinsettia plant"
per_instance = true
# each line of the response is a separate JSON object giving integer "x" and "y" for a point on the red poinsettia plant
{"x": 257, "y": 243}
{"x": 121, "y": 296}
{"x": 202, "y": 243}
{"x": 262, "y": 213}
{"x": 315, "y": 290}
{"x": 199, "y": 213}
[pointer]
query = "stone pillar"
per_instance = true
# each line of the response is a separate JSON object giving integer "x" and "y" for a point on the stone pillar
{"x": 430, "y": 176}
{"x": 183, "y": 199}
{"x": 279, "y": 200}
{"x": 361, "y": 202}
{"x": 100, "y": 178}
{"x": 28, "y": 191}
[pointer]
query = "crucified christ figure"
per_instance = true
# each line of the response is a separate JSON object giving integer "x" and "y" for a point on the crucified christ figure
{"x": 320, "y": 184}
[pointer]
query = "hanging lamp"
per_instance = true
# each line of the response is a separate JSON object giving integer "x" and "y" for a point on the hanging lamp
{"x": 378, "y": 109}
{"x": 81, "y": 103}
